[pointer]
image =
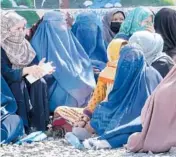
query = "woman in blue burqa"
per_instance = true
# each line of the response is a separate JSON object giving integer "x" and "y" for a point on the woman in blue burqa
{"x": 87, "y": 29}
{"x": 73, "y": 81}
{"x": 116, "y": 119}
{"x": 11, "y": 124}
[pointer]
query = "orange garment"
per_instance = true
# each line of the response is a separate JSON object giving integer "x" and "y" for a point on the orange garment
{"x": 106, "y": 77}
{"x": 98, "y": 96}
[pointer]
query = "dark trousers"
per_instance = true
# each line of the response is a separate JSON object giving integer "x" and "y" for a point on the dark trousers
{"x": 32, "y": 101}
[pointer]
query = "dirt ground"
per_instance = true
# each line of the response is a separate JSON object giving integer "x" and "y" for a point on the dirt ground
{"x": 60, "y": 148}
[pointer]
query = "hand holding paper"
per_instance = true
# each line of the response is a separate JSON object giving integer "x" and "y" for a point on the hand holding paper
{"x": 38, "y": 71}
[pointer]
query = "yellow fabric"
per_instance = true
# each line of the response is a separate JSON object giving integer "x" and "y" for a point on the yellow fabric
{"x": 98, "y": 96}
{"x": 106, "y": 77}
{"x": 113, "y": 50}
{"x": 108, "y": 74}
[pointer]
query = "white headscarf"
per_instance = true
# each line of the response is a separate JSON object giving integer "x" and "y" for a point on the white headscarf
{"x": 17, "y": 48}
{"x": 151, "y": 44}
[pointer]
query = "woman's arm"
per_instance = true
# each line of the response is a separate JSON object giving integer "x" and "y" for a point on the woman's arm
{"x": 16, "y": 75}
{"x": 10, "y": 75}
{"x": 97, "y": 97}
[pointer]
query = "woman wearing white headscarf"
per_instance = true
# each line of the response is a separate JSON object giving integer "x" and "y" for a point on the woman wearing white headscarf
{"x": 152, "y": 46}
{"x": 18, "y": 59}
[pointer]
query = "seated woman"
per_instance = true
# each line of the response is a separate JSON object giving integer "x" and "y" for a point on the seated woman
{"x": 134, "y": 82}
{"x": 165, "y": 24}
{"x": 152, "y": 46}
{"x": 18, "y": 60}
{"x": 11, "y": 124}
{"x": 73, "y": 81}
{"x": 112, "y": 21}
{"x": 87, "y": 29}
{"x": 158, "y": 119}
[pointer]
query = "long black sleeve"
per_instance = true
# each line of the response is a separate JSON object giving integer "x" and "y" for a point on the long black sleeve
{"x": 162, "y": 66}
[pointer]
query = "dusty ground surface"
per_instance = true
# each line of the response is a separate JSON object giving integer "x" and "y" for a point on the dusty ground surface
{"x": 60, "y": 148}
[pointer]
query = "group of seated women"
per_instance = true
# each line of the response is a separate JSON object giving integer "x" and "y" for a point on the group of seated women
{"x": 109, "y": 77}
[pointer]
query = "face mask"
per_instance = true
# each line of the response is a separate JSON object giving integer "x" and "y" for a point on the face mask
{"x": 115, "y": 26}
{"x": 17, "y": 37}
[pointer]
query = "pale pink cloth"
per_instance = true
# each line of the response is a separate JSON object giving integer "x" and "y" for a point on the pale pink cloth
{"x": 158, "y": 119}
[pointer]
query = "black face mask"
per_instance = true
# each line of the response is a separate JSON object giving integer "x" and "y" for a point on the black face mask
{"x": 115, "y": 26}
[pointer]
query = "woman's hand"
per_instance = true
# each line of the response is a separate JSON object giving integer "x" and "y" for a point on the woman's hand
{"x": 39, "y": 70}
{"x": 150, "y": 29}
{"x": 50, "y": 68}
{"x": 35, "y": 70}
{"x": 83, "y": 120}
{"x": 42, "y": 62}
{"x": 69, "y": 19}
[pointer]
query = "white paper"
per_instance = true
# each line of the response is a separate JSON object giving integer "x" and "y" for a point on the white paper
{"x": 46, "y": 67}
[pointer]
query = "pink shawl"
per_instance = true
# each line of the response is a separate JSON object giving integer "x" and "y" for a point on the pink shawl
{"x": 158, "y": 119}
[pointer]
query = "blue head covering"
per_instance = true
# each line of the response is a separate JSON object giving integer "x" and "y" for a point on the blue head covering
{"x": 74, "y": 79}
{"x": 87, "y": 29}
{"x": 134, "y": 82}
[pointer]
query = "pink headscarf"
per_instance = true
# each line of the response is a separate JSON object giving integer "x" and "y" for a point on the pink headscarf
{"x": 158, "y": 119}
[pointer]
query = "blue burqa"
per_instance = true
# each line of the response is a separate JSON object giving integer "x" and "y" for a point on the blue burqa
{"x": 73, "y": 81}
{"x": 87, "y": 29}
{"x": 11, "y": 124}
{"x": 116, "y": 119}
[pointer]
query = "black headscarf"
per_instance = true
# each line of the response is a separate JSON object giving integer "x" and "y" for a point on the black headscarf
{"x": 165, "y": 24}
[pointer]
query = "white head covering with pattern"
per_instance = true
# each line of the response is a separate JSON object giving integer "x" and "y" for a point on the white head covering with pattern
{"x": 17, "y": 48}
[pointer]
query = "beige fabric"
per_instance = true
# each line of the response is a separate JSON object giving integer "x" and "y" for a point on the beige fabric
{"x": 18, "y": 49}
{"x": 113, "y": 52}
{"x": 108, "y": 74}
{"x": 71, "y": 114}
{"x": 158, "y": 119}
